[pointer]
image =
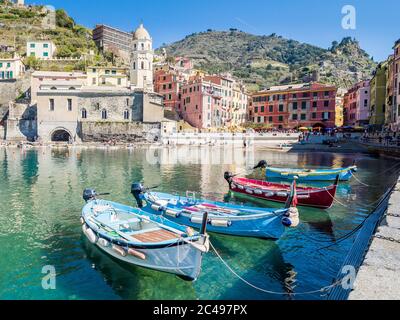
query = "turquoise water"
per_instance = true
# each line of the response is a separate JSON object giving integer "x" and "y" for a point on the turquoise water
{"x": 40, "y": 198}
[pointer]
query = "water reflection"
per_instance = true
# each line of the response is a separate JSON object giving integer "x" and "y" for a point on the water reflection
{"x": 40, "y": 197}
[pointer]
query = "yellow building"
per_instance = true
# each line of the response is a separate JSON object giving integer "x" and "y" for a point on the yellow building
{"x": 339, "y": 120}
{"x": 378, "y": 95}
{"x": 107, "y": 76}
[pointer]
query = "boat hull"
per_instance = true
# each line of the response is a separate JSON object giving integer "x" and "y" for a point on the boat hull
{"x": 316, "y": 175}
{"x": 258, "y": 223}
{"x": 310, "y": 197}
{"x": 179, "y": 254}
{"x": 183, "y": 260}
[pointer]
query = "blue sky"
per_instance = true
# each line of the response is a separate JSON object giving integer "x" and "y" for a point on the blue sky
{"x": 316, "y": 22}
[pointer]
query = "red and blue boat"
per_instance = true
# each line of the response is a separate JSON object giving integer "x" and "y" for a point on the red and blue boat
{"x": 322, "y": 198}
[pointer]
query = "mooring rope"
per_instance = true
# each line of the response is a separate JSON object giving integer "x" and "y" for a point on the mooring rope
{"x": 322, "y": 290}
{"x": 358, "y": 180}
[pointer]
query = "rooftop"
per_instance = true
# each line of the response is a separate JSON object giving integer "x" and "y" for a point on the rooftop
{"x": 58, "y": 74}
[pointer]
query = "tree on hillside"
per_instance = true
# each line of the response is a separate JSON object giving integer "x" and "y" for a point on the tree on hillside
{"x": 63, "y": 20}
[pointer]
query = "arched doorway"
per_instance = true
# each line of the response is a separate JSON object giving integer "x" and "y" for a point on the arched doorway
{"x": 61, "y": 135}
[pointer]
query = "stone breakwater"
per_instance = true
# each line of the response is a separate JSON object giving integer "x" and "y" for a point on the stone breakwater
{"x": 378, "y": 277}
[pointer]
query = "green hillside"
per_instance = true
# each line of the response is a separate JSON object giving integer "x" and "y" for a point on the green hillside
{"x": 263, "y": 61}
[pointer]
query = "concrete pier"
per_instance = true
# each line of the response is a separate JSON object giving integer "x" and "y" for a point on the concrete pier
{"x": 378, "y": 277}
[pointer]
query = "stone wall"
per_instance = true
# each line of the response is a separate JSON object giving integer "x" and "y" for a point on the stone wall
{"x": 115, "y": 104}
{"x": 378, "y": 277}
{"x": 21, "y": 124}
{"x": 120, "y": 131}
{"x": 20, "y": 130}
{"x": 12, "y": 89}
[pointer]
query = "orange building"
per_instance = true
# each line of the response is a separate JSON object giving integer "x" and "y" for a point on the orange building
{"x": 294, "y": 106}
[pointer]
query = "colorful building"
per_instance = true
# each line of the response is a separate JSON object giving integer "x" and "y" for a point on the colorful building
{"x": 292, "y": 106}
{"x": 357, "y": 105}
{"x": 378, "y": 96}
{"x": 201, "y": 104}
{"x": 168, "y": 84}
{"x": 389, "y": 117}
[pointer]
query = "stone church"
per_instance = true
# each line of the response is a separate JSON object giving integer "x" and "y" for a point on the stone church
{"x": 74, "y": 107}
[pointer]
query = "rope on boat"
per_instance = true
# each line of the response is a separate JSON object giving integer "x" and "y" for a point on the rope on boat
{"x": 321, "y": 291}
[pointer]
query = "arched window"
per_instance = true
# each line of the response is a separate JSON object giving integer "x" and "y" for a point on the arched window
{"x": 134, "y": 66}
{"x": 72, "y": 88}
{"x": 142, "y": 65}
{"x": 53, "y": 88}
{"x": 134, "y": 47}
{"x": 104, "y": 114}
{"x": 142, "y": 46}
{"x": 126, "y": 114}
{"x": 84, "y": 114}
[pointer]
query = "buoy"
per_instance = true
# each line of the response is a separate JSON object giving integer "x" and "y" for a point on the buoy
{"x": 303, "y": 196}
{"x": 82, "y": 220}
{"x": 249, "y": 191}
{"x": 119, "y": 250}
{"x": 137, "y": 254}
{"x": 221, "y": 223}
{"x": 240, "y": 187}
{"x": 269, "y": 194}
{"x": 259, "y": 192}
{"x": 282, "y": 194}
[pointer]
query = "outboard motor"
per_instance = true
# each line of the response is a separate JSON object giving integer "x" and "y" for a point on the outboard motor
{"x": 137, "y": 189}
{"x": 89, "y": 194}
{"x": 228, "y": 176}
{"x": 261, "y": 165}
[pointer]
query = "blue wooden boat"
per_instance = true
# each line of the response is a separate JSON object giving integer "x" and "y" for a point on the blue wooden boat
{"x": 301, "y": 175}
{"x": 223, "y": 218}
{"x": 143, "y": 239}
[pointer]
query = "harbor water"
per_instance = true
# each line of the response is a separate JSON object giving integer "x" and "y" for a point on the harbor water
{"x": 41, "y": 202}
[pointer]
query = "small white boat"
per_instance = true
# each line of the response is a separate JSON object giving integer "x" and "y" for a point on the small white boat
{"x": 143, "y": 239}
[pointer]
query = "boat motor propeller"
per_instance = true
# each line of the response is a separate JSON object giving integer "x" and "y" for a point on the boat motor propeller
{"x": 228, "y": 176}
{"x": 137, "y": 189}
{"x": 261, "y": 165}
{"x": 91, "y": 194}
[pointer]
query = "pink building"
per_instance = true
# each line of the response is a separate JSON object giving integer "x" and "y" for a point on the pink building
{"x": 357, "y": 105}
{"x": 201, "y": 103}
